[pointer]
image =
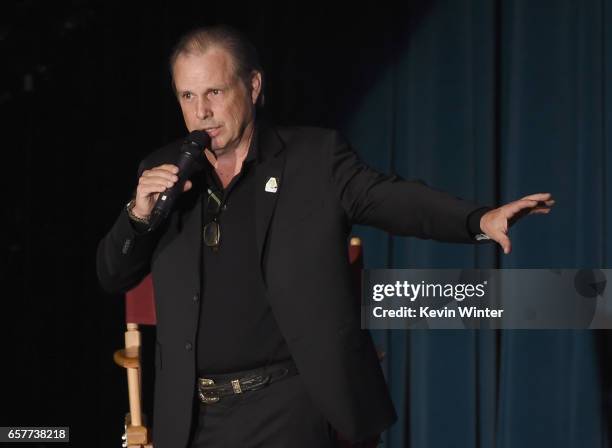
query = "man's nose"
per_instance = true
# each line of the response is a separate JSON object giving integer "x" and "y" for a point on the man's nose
{"x": 203, "y": 110}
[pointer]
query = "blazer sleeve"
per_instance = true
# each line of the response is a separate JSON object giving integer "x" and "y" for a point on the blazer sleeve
{"x": 124, "y": 254}
{"x": 401, "y": 207}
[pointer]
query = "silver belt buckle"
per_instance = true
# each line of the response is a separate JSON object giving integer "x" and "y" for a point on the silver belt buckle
{"x": 207, "y": 396}
{"x": 236, "y": 386}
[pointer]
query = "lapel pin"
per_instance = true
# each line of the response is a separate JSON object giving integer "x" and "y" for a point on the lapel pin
{"x": 272, "y": 185}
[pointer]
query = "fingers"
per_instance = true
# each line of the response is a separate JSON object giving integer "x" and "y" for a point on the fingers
{"x": 522, "y": 204}
{"x": 167, "y": 167}
{"x": 149, "y": 189}
{"x": 543, "y": 199}
{"x": 164, "y": 172}
{"x": 495, "y": 225}
{"x": 515, "y": 207}
{"x": 151, "y": 183}
{"x": 539, "y": 197}
{"x": 187, "y": 186}
{"x": 501, "y": 237}
{"x": 158, "y": 179}
{"x": 505, "y": 243}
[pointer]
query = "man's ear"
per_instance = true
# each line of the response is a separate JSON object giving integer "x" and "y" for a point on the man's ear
{"x": 256, "y": 84}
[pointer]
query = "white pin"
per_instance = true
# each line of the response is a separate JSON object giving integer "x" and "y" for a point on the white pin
{"x": 272, "y": 185}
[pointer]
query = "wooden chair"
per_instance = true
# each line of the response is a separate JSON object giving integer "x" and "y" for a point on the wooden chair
{"x": 140, "y": 310}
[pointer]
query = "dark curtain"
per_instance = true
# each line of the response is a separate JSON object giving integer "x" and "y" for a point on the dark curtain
{"x": 493, "y": 101}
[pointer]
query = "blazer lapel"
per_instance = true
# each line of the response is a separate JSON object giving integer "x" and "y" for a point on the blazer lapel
{"x": 268, "y": 181}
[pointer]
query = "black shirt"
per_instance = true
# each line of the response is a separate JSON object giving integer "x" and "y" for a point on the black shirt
{"x": 237, "y": 329}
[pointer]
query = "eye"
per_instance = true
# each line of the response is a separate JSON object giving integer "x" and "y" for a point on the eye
{"x": 215, "y": 92}
{"x": 186, "y": 95}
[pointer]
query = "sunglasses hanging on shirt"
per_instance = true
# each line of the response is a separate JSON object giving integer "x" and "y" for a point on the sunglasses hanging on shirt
{"x": 212, "y": 229}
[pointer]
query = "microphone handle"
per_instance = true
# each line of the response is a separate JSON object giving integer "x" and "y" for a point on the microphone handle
{"x": 187, "y": 166}
{"x": 164, "y": 204}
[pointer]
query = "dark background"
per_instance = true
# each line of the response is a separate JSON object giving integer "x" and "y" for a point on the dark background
{"x": 489, "y": 99}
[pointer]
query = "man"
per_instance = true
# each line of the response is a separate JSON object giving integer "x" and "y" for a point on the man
{"x": 257, "y": 323}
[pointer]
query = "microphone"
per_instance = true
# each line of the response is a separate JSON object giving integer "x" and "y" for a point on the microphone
{"x": 191, "y": 159}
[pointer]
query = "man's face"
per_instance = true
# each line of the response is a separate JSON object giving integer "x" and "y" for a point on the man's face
{"x": 214, "y": 99}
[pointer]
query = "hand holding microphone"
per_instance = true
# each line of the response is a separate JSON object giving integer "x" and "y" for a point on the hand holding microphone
{"x": 159, "y": 187}
{"x": 151, "y": 184}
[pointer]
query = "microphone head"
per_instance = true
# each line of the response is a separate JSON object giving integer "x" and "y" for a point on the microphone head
{"x": 194, "y": 144}
{"x": 199, "y": 138}
{"x": 190, "y": 160}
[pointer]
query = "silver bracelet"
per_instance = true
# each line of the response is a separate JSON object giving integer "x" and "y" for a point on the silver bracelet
{"x": 129, "y": 207}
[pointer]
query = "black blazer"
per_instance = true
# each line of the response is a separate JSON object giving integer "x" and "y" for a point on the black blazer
{"x": 302, "y": 232}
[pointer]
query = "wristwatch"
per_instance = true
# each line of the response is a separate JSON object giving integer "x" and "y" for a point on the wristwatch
{"x": 129, "y": 207}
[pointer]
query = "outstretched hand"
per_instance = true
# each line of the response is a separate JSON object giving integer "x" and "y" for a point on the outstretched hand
{"x": 495, "y": 223}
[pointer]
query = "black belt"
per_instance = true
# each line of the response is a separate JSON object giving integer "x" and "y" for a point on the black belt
{"x": 212, "y": 387}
